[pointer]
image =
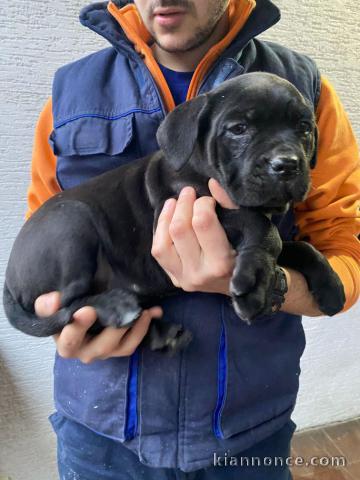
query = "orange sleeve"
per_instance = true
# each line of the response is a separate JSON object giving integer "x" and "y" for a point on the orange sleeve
{"x": 330, "y": 216}
{"x": 43, "y": 167}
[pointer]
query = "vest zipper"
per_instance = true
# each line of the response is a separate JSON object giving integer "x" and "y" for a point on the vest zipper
{"x": 131, "y": 419}
{"x": 222, "y": 380}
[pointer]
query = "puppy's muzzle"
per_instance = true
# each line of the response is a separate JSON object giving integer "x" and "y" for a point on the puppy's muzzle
{"x": 286, "y": 166}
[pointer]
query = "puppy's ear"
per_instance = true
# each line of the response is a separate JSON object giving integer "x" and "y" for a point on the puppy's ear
{"x": 315, "y": 148}
{"x": 178, "y": 133}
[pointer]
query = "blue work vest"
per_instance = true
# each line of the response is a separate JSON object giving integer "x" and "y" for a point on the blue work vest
{"x": 235, "y": 384}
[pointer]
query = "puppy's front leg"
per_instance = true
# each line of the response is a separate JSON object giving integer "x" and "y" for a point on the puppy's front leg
{"x": 258, "y": 244}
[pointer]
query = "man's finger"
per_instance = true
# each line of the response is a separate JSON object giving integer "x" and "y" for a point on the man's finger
{"x": 163, "y": 249}
{"x": 181, "y": 230}
{"x": 209, "y": 231}
{"x": 132, "y": 339}
{"x": 73, "y": 335}
{"x": 101, "y": 345}
{"x": 47, "y": 304}
{"x": 112, "y": 342}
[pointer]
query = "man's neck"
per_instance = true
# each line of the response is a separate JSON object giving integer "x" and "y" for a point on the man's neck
{"x": 188, "y": 61}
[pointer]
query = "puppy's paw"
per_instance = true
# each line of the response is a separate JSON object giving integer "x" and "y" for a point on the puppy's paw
{"x": 249, "y": 307}
{"x": 116, "y": 308}
{"x": 168, "y": 337}
{"x": 329, "y": 295}
{"x": 251, "y": 285}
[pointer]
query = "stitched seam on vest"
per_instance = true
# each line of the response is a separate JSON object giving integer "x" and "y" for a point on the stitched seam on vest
{"x": 104, "y": 117}
{"x": 222, "y": 379}
{"x": 182, "y": 424}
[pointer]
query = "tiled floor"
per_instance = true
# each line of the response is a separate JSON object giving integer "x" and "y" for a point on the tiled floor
{"x": 341, "y": 440}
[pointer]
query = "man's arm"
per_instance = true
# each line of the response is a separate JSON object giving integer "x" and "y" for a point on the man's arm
{"x": 43, "y": 165}
{"x": 330, "y": 216}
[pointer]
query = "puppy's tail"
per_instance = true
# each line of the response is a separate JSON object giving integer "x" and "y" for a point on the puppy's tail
{"x": 30, "y": 323}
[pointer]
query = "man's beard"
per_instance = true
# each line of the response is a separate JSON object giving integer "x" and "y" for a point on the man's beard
{"x": 203, "y": 34}
{"x": 192, "y": 43}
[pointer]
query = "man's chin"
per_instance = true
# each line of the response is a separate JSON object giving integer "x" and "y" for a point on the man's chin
{"x": 170, "y": 44}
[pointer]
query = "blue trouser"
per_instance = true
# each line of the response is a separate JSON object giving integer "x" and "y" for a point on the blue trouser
{"x": 85, "y": 455}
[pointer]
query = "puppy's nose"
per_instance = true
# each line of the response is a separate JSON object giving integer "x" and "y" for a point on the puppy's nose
{"x": 285, "y": 165}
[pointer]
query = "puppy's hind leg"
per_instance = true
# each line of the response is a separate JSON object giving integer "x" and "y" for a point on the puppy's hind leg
{"x": 56, "y": 250}
{"x": 25, "y": 319}
{"x": 118, "y": 308}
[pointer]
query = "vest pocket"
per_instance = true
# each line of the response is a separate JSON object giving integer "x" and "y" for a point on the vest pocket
{"x": 101, "y": 395}
{"x": 258, "y": 371}
{"x": 89, "y": 146}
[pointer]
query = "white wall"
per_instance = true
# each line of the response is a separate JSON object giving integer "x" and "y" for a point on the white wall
{"x": 36, "y": 38}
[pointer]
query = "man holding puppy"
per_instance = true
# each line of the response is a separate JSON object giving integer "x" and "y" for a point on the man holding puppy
{"x": 123, "y": 411}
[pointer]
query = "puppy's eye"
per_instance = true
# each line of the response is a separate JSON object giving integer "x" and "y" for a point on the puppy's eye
{"x": 238, "y": 129}
{"x": 305, "y": 127}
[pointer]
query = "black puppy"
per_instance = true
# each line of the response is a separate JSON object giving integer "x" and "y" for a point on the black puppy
{"x": 256, "y": 135}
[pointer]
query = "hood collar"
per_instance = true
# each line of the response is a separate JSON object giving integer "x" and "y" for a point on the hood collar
{"x": 120, "y": 23}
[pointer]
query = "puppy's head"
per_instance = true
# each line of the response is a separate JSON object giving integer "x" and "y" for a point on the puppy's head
{"x": 256, "y": 134}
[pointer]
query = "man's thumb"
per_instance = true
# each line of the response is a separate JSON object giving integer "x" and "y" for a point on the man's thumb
{"x": 220, "y": 195}
{"x": 47, "y": 304}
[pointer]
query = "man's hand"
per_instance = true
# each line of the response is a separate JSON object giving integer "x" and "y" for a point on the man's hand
{"x": 191, "y": 245}
{"x": 74, "y": 342}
